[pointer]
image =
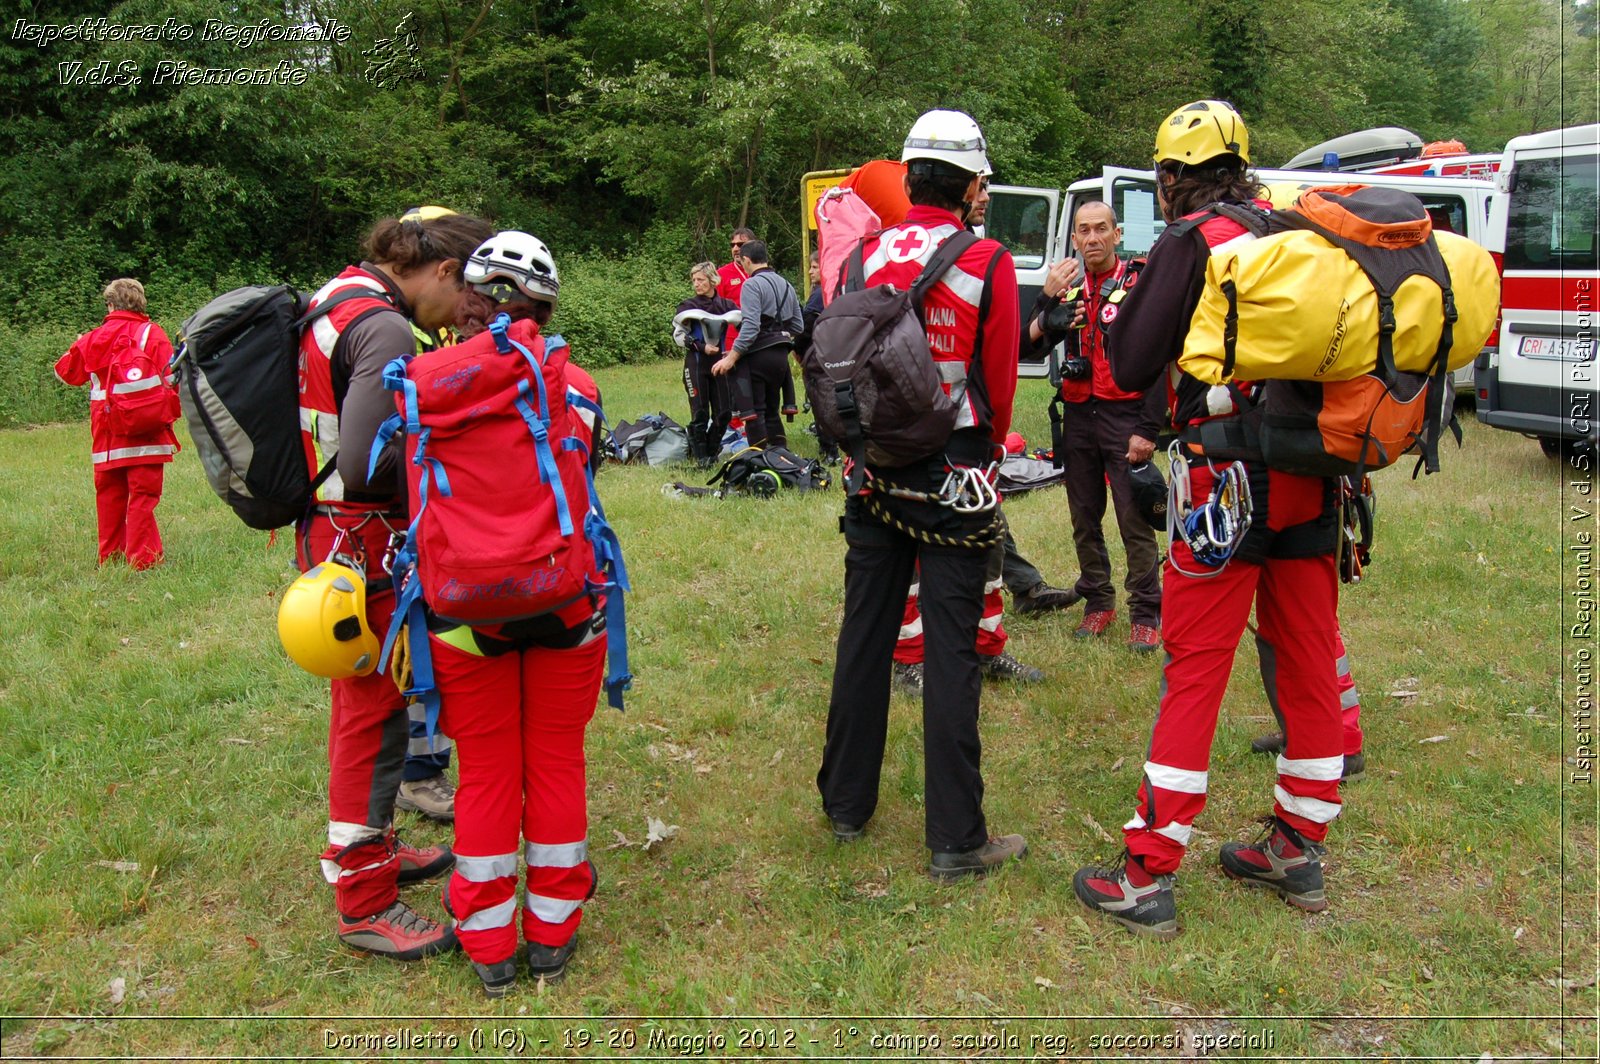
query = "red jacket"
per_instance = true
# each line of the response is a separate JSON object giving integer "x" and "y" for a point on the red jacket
{"x": 87, "y": 362}
{"x": 1098, "y": 385}
{"x": 973, "y": 308}
{"x": 730, "y": 280}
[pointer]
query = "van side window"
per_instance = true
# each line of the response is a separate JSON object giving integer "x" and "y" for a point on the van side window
{"x": 1020, "y": 222}
{"x": 1551, "y": 220}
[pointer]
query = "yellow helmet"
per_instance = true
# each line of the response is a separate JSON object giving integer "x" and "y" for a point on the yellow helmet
{"x": 1200, "y": 131}
{"x": 322, "y": 623}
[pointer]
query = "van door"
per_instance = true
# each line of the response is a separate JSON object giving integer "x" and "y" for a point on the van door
{"x": 1025, "y": 220}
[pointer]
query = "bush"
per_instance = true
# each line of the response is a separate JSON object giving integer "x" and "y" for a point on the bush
{"x": 33, "y": 395}
{"x": 616, "y": 310}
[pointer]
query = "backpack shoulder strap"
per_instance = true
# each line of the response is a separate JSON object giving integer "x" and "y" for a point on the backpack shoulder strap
{"x": 936, "y": 267}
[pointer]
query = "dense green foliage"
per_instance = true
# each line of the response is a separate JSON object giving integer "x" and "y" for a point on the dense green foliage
{"x": 621, "y": 129}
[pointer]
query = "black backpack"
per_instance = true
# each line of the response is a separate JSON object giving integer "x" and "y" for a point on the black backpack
{"x": 765, "y": 471}
{"x": 237, "y": 366}
{"x": 870, "y": 376}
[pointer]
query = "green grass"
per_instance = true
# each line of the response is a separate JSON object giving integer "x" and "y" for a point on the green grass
{"x": 152, "y": 718}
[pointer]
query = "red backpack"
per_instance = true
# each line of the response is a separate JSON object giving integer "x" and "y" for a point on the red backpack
{"x": 505, "y": 523}
{"x": 138, "y": 399}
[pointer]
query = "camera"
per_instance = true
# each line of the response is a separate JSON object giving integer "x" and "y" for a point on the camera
{"x": 1074, "y": 368}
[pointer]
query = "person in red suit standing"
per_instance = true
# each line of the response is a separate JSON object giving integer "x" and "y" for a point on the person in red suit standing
{"x": 128, "y": 464}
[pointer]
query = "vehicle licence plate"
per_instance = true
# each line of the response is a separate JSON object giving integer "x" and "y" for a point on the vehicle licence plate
{"x": 1567, "y": 348}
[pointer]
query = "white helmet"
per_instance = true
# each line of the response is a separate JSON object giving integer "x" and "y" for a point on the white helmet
{"x": 951, "y": 137}
{"x": 518, "y": 257}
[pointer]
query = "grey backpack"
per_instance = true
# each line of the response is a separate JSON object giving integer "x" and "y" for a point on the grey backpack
{"x": 870, "y": 376}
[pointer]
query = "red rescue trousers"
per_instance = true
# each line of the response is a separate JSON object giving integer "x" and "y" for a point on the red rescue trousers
{"x": 125, "y": 499}
{"x": 368, "y": 733}
{"x": 518, "y": 721}
{"x": 992, "y": 636}
{"x": 1203, "y": 618}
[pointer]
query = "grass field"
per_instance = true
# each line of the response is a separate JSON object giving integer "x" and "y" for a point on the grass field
{"x": 162, "y": 805}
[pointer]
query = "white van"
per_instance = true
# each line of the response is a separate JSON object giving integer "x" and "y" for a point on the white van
{"x": 1036, "y": 225}
{"x": 1541, "y": 381}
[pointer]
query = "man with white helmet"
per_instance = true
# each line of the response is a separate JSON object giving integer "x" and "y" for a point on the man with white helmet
{"x": 971, "y": 322}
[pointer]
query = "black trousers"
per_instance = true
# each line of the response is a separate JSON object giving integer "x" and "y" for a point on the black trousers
{"x": 877, "y": 574}
{"x": 709, "y": 405}
{"x": 766, "y": 374}
{"x": 1096, "y": 448}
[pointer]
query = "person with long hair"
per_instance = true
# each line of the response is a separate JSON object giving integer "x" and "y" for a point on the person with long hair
{"x": 412, "y": 273}
{"x": 1245, "y": 536}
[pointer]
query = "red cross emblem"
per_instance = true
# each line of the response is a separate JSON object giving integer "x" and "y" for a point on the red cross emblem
{"x": 908, "y": 244}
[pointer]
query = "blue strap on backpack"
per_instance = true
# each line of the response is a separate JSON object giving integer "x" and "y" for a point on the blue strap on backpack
{"x": 411, "y": 609}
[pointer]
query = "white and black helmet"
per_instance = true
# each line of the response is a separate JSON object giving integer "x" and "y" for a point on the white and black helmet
{"x": 949, "y": 137}
{"x": 514, "y": 257}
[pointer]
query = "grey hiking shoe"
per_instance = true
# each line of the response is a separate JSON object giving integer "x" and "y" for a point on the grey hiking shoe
{"x": 550, "y": 962}
{"x": 433, "y": 797}
{"x": 1005, "y": 667}
{"x": 1282, "y": 860}
{"x": 498, "y": 978}
{"x": 844, "y": 831}
{"x": 1271, "y": 743}
{"x": 1139, "y": 901}
{"x": 980, "y": 862}
{"x": 1042, "y": 598}
{"x": 908, "y": 676}
{"x": 1355, "y": 766}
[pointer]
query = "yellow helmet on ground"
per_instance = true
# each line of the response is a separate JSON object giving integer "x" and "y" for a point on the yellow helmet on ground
{"x": 322, "y": 623}
{"x": 1200, "y": 131}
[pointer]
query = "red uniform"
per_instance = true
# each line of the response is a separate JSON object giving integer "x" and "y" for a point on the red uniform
{"x": 1285, "y": 568}
{"x": 127, "y": 469}
{"x": 730, "y": 281}
{"x": 517, "y": 698}
{"x": 341, "y": 359}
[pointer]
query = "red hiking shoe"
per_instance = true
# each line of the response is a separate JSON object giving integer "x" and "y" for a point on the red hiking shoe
{"x": 1281, "y": 860}
{"x": 1144, "y": 639}
{"x": 1134, "y": 898}
{"x": 399, "y": 933}
{"x": 418, "y": 864}
{"x": 1095, "y": 624}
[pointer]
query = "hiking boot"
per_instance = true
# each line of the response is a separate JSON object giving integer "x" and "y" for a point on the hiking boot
{"x": 498, "y": 978}
{"x": 1095, "y": 623}
{"x": 1042, "y": 598}
{"x": 1005, "y": 667}
{"x": 844, "y": 831}
{"x": 980, "y": 862}
{"x": 1134, "y": 898}
{"x": 1282, "y": 860}
{"x": 908, "y": 676}
{"x": 550, "y": 962}
{"x": 399, "y": 933}
{"x": 1355, "y": 766}
{"x": 1271, "y": 743}
{"x": 418, "y": 864}
{"x": 1144, "y": 639}
{"x": 433, "y": 797}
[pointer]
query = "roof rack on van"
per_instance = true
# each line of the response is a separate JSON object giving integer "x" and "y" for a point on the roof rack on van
{"x": 1360, "y": 151}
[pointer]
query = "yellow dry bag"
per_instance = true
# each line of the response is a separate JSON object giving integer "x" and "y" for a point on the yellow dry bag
{"x": 1360, "y": 271}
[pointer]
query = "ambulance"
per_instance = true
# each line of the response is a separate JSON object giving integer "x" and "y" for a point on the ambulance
{"x": 1541, "y": 381}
